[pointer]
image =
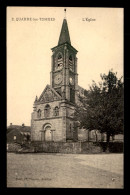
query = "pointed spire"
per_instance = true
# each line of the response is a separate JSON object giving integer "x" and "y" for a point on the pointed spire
{"x": 64, "y": 35}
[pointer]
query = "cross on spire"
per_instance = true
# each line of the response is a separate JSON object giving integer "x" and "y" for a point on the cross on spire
{"x": 65, "y": 12}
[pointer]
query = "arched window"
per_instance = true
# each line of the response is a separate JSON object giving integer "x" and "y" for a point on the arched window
{"x": 47, "y": 111}
{"x": 70, "y": 58}
{"x": 59, "y": 56}
{"x": 59, "y": 61}
{"x": 71, "y": 62}
{"x": 39, "y": 113}
{"x": 56, "y": 111}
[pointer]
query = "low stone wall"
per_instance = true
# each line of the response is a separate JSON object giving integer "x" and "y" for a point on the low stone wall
{"x": 79, "y": 147}
{"x": 67, "y": 147}
{"x": 58, "y": 147}
{"x": 72, "y": 148}
{"x": 13, "y": 147}
{"x": 90, "y": 148}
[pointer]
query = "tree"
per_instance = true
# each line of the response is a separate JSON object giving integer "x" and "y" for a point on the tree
{"x": 102, "y": 108}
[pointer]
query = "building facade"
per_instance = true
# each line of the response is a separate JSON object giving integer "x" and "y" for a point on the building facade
{"x": 52, "y": 117}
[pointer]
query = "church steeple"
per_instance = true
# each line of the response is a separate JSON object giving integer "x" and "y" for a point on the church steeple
{"x": 64, "y": 77}
{"x": 64, "y": 35}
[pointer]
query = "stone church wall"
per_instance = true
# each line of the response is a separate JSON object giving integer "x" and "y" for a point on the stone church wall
{"x": 54, "y": 121}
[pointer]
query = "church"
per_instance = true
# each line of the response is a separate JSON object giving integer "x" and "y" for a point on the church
{"x": 52, "y": 117}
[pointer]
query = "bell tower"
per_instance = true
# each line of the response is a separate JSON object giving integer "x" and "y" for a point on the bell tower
{"x": 63, "y": 75}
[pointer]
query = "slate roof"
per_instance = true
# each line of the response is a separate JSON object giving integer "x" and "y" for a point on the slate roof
{"x": 64, "y": 34}
{"x": 18, "y": 128}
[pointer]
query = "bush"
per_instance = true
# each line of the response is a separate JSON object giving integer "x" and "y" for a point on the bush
{"x": 114, "y": 147}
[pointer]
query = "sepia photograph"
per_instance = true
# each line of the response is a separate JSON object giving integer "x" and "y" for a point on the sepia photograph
{"x": 65, "y": 97}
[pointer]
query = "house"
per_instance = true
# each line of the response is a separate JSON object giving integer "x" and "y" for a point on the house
{"x": 18, "y": 134}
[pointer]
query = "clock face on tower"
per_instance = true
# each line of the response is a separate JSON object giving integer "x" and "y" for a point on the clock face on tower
{"x": 58, "y": 79}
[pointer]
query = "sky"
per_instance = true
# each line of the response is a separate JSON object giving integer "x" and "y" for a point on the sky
{"x": 99, "y": 43}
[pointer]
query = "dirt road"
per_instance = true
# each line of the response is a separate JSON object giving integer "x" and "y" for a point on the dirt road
{"x": 65, "y": 170}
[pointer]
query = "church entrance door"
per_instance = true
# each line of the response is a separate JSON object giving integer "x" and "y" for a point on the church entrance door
{"x": 48, "y": 134}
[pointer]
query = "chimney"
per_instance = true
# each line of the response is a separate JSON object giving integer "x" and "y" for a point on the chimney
{"x": 23, "y": 125}
{"x": 10, "y": 124}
